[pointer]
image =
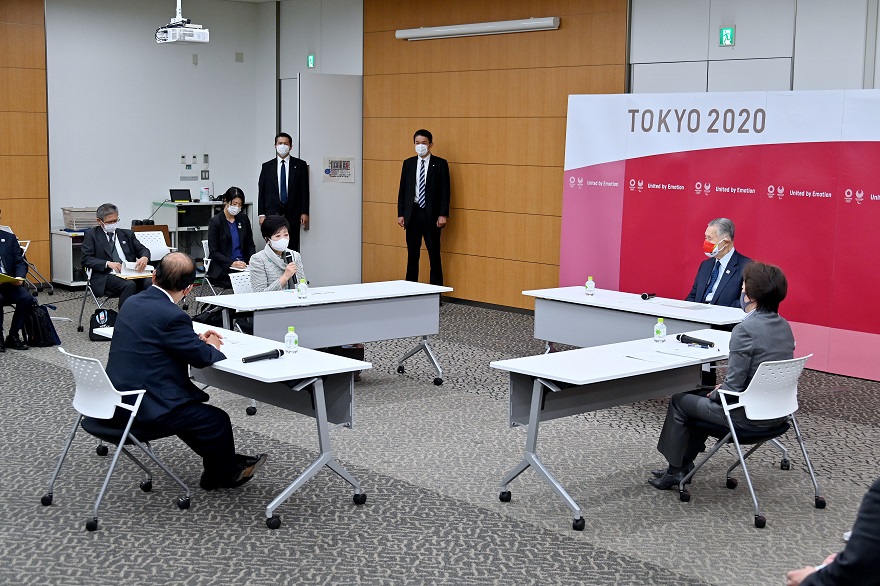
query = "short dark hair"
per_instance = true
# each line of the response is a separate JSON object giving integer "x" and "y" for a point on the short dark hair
{"x": 285, "y": 135}
{"x": 105, "y": 209}
{"x": 765, "y": 284}
{"x": 425, "y": 133}
{"x": 175, "y": 272}
{"x": 232, "y": 193}
{"x": 272, "y": 224}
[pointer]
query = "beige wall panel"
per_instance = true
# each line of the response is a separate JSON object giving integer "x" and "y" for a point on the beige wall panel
{"x": 501, "y": 141}
{"x": 22, "y": 46}
{"x": 23, "y": 133}
{"x": 24, "y": 176}
{"x": 488, "y": 94}
{"x": 596, "y": 39}
{"x": 22, "y": 90}
{"x": 28, "y": 218}
{"x": 383, "y": 15}
{"x": 22, "y": 12}
{"x": 388, "y": 263}
{"x": 380, "y": 225}
{"x": 522, "y": 190}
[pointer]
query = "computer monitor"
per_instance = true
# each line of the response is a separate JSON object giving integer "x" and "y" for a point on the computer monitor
{"x": 180, "y": 195}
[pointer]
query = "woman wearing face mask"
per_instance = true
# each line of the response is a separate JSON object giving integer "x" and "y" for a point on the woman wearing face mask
{"x": 276, "y": 267}
{"x": 230, "y": 238}
{"x": 762, "y": 335}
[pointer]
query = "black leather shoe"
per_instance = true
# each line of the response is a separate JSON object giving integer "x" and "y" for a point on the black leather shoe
{"x": 2, "y": 347}
{"x": 247, "y": 467}
{"x": 667, "y": 481}
{"x": 659, "y": 473}
{"x": 15, "y": 343}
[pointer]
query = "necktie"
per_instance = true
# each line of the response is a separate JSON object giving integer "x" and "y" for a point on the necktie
{"x": 420, "y": 196}
{"x": 282, "y": 188}
{"x": 712, "y": 278}
{"x": 114, "y": 255}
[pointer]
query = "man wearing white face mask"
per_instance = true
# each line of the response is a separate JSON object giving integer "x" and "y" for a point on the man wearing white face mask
{"x": 719, "y": 278}
{"x": 105, "y": 247}
{"x": 284, "y": 188}
{"x": 423, "y": 205}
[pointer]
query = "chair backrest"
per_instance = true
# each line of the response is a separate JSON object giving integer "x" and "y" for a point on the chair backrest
{"x": 25, "y": 244}
{"x": 205, "y": 248}
{"x": 163, "y": 228}
{"x": 241, "y": 282}
{"x": 95, "y": 395}
{"x": 155, "y": 241}
{"x": 772, "y": 393}
{"x": 6, "y": 229}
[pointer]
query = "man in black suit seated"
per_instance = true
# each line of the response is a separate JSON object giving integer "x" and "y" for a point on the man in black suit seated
{"x": 105, "y": 247}
{"x": 152, "y": 348}
{"x": 719, "y": 278}
{"x": 12, "y": 264}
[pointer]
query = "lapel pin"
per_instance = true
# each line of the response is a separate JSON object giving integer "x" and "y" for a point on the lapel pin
{"x": 727, "y": 272}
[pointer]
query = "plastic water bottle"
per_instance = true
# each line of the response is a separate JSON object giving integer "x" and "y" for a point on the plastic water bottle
{"x": 302, "y": 289}
{"x": 291, "y": 340}
{"x": 590, "y": 286}
{"x": 660, "y": 330}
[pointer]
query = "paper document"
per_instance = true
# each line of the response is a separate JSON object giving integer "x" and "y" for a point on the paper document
{"x": 4, "y": 278}
{"x": 129, "y": 270}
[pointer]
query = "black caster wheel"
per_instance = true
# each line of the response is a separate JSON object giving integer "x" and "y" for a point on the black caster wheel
{"x": 785, "y": 464}
{"x": 79, "y": 328}
{"x": 146, "y": 485}
{"x": 504, "y": 497}
{"x": 51, "y": 292}
{"x": 251, "y": 410}
{"x": 732, "y": 483}
{"x": 438, "y": 381}
{"x": 183, "y": 502}
{"x": 760, "y": 521}
{"x": 46, "y": 500}
{"x": 359, "y": 499}
{"x": 102, "y": 450}
{"x": 92, "y": 525}
{"x": 578, "y": 524}
{"x": 274, "y": 522}
{"x": 684, "y": 496}
{"x": 400, "y": 369}
{"x": 820, "y": 502}
{"x": 186, "y": 306}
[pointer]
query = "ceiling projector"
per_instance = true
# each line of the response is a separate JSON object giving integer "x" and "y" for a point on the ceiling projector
{"x": 181, "y": 30}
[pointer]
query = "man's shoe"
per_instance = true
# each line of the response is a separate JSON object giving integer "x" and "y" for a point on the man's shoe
{"x": 660, "y": 472}
{"x": 2, "y": 347}
{"x": 667, "y": 481}
{"x": 15, "y": 343}
{"x": 250, "y": 468}
{"x": 247, "y": 465}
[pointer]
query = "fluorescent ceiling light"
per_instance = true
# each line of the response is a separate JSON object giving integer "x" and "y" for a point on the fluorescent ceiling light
{"x": 479, "y": 28}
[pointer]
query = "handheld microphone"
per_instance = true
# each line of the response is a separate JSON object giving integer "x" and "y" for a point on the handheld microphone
{"x": 647, "y": 296}
{"x": 288, "y": 256}
{"x": 685, "y": 339}
{"x": 277, "y": 353}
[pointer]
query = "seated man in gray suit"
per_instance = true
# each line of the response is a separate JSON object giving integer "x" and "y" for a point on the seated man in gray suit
{"x": 761, "y": 336}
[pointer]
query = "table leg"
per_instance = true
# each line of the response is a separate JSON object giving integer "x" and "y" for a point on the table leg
{"x": 227, "y": 318}
{"x": 423, "y": 347}
{"x": 531, "y": 458}
{"x": 325, "y": 457}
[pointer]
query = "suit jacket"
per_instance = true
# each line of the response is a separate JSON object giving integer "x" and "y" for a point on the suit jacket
{"x": 858, "y": 563}
{"x": 268, "y": 198}
{"x": 152, "y": 348}
{"x": 761, "y": 336}
{"x": 220, "y": 242}
{"x": 728, "y": 290}
{"x": 436, "y": 189}
{"x": 10, "y": 252}
{"x": 96, "y": 253}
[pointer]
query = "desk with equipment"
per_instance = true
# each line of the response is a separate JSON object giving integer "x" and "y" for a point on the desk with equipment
{"x": 550, "y": 386}
{"x": 345, "y": 314}
{"x": 188, "y": 221}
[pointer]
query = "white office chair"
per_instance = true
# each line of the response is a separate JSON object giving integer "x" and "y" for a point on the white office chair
{"x": 772, "y": 394}
{"x": 241, "y": 282}
{"x": 155, "y": 241}
{"x": 207, "y": 264}
{"x": 96, "y": 400}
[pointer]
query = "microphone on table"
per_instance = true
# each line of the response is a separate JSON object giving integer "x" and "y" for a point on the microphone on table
{"x": 685, "y": 339}
{"x": 647, "y": 296}
{"x": 277, "y": 353}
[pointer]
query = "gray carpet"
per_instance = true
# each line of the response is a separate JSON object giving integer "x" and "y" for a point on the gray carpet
{"x": 430, "y": 459}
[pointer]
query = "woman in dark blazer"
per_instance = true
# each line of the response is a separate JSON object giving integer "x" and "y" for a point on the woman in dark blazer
{"x": 230, "y": 238}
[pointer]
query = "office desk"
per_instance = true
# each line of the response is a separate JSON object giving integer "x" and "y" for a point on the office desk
{"x": 345, "y": 314}
{"x": 550, "y": 386}
{"x": 312, "y": 383}
{"x": 569, "y": 316}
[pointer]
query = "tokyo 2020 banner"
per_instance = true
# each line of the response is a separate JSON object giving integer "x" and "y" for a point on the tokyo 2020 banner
{"x": 797, "y": 172}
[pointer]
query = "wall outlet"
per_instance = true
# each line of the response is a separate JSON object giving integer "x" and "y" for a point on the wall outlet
{"x": 205, "y": 175}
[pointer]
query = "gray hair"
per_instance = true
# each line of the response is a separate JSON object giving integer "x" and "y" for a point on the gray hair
{"x": 105, "y": 209}
{"x": 724, "y": 226}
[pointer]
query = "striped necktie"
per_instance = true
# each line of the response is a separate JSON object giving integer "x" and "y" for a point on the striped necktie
{"x": 712, "y": 277}
{"x": 420, "y": 196}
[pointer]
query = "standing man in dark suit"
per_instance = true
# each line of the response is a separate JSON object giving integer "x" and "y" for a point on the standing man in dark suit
{"x": 423, "y": 205}
{"x": 153, "y": 347}
{"x": 105, "y": 247}
{"x": 284, "y": 189}
{"x": 719, "y": 278}
{"x": 12, "y": 263}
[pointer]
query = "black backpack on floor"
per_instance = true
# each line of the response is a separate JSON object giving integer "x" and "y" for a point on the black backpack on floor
{"x": 39, "y": 331}
{"x": 102, "y": 318}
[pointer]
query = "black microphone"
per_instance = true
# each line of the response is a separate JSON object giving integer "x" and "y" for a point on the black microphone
{"x": 288, "y": 256}
{"x": 685, "y": 339}
{"x": 277, "y": 353}
{"x": 647, "y": 296}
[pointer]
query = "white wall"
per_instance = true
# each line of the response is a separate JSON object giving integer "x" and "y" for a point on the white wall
{"x": 332, "y": 30}
{"x": 122, "y": 109}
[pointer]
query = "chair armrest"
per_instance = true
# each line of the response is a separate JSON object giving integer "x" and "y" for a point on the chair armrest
{"x": 126, "y": 393}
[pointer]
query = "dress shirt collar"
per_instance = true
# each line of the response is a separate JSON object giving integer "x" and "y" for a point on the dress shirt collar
{"x": 167, "y": 294}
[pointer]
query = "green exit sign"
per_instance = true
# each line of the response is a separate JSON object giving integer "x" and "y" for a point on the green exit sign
{"x": 727, "y": 36}
{"x": 311, "y": 61}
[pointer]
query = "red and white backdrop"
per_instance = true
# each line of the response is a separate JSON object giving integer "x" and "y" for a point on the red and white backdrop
{"x": 797, "y": 172}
